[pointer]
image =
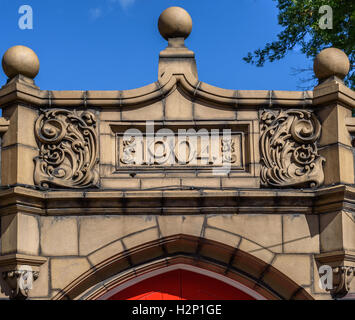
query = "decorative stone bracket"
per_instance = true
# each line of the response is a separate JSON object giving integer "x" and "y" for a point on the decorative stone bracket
{"x": 350, "y": 125}
{"x": 18, "y": 272}
{"x": 4, "y": 125}
{"x": 342, "y": 277}
{"x": 342, "y": 264}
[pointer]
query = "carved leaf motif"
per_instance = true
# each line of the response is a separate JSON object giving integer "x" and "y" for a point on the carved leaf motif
{"x": 289, "y": 153}
{"x": 228, "y": 150}
{"x": 68, "y": 149}
{"x": 129, "y": 148}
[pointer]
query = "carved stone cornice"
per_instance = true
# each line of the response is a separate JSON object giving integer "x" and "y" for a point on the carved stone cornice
{"x": 258, "y": 201}
{"x": 19, "y": 272}
{"x": 20, "y": 92}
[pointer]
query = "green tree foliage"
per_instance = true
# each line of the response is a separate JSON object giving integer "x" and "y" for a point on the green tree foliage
{"x": 300, "y": 19}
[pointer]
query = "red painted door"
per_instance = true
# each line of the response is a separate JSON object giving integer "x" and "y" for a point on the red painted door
{"x": 181, "y": 285}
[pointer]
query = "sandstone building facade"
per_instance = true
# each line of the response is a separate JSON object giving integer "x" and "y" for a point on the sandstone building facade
{"x": 103, "y": 190}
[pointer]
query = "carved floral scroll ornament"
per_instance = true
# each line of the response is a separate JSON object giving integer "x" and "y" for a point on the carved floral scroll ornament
{"x": 68, "y": 149}
{"x": 289, "y": 153}
{"x": 228, "y": 150}
{"x": 129, "y": 149}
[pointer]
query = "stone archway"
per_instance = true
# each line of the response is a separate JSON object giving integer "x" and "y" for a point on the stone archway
{"x": 182, "y": 282}
{"x": 120, "y": 268}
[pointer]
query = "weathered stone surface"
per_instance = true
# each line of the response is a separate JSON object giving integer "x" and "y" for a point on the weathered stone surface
{"x": 331, "y": 62}
{"x": 59, "y": 236}
{"x": 19, "y": 234}
{"x": 265, "y": 229}
{"x": 301, "y": 233}
{"x": 256, "y": 250}
{"x": 173, "y": 225}
{"x": 20, "y": 60}
{"x": 222, "y": 237}
{"x": 41, "y": 286}
{"x": 66, "y": 270}
{"x": 297, "y": 267}
{"x": 96, "y": 232}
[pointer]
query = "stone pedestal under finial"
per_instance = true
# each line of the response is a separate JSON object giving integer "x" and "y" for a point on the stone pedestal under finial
{"x": 175, "y": 25}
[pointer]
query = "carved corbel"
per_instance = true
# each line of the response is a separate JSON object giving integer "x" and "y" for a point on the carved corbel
{"x": 18, "y": 273}
{"x": 4, "y": 125}
{"x": 341, "y": 263}
{"x": 342, "y": 277}
{"x": 350, "y": 125}
{"x": 20, "y": 282}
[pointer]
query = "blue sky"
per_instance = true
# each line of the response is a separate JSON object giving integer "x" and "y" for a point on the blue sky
{"x": 115, "y": 44}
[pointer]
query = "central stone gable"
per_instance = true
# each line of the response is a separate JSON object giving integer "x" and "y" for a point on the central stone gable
{"x": 178, "y": 140}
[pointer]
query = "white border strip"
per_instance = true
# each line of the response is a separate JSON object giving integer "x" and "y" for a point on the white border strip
{"x": 181, "y": 266}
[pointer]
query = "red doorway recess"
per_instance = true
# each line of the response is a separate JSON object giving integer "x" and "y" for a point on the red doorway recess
{"x": 181, "y": 285}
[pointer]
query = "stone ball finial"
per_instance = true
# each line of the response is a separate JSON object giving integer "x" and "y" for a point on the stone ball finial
{"x": 175, "y": 22}
{"x": 331, "y": 62}
{"x": 20, "y": 60}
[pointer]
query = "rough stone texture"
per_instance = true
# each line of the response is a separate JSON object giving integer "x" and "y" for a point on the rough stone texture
{"x": 256, "y": 250}
{"x": 301, "y": 233}
{"x": 297, "y": 267}
{"x": 222, "y": 236}
{"x": 59, "y": 236}
{"x": 172, "y": 225}
{"x": 330, "y": 229}
{"x": 97, "y": 232}
{"x": 106, "y": 252}
{"x": 41, "y": 285}
{"x": 264, "y": 230}
{"x": 65, "y": 270}
{"x": 19, "y": 234}
{"x": 178, "y": 107}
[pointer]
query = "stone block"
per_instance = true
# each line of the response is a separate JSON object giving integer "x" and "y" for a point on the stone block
{"x": 206, "y": 112}
{"x": 59, "y": 236}
{"x": 19, "y": 234}
{"x": 256, "y": 250}
{"x": 187, "y": 225}
{"x": 142, "y": 113}
{"x": 202, "y": 182}
{"x": 178, "y": 107}
{"x": 99, "y": 231}
{"x": 222, "y": 237}
{"x": 263, "y": 229}
{"x": 295, "y": 266}
{"x": 160, "y": 183}
{"x": 40, "y": 287}
{"x": 66, "y": 270}
{"x": 331, "y": 232}
{"x": 301, "y": 233}
{"x": 121, "y": 184}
